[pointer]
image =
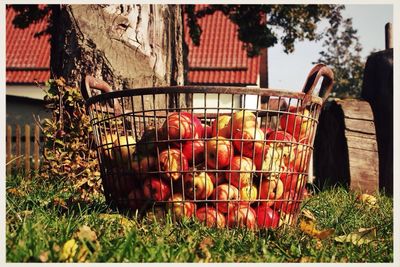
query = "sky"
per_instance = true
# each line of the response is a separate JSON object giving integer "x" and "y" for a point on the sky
{"x": 289, "y": 71}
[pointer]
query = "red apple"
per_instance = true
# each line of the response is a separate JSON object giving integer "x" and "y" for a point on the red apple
{"x": 198, "y": 185}
{"x": 296, "y": 122}
{"x": 267, "y": 217}
{"x": 284, "y": 143}
{"x": 193, "y": 148}
{"x": 181, "y": 125}
{"x": 172, "y": 162}
{"x": 147, "y": 143}
{"x": 179, "y": 207}
{"x": 270, "y": 190}
{"x": 273, "y": 164}
{"x": 292, "y": 181}
{"x": 219, "y": 152}
{"x": 242, "y": 216}
{"x": 208, "y": 130}
{"x": 243, "y": 119}
{"x": 225, "y": 192}
{"x": 248, "y": 141}
{"x": 289, "y": 202}
{"x": 302, "y": 154}
{"x": 156, "y": 189}
{"x": 223, "y": 125}
{"x": 211, "y": 216}
{"x": 142, "y": 164}
{"x": 136, "y": 199}
{"x": 242, "y": 170}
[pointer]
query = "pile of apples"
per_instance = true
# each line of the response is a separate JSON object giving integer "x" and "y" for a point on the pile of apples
{"x": 229, "y": 172}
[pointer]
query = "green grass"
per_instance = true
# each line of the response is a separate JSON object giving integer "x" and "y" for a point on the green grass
{"x": 39, "y": 224}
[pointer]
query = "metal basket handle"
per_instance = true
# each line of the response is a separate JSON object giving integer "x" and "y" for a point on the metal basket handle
{"x": 318, "y": 71}
{"x": 91, "y": 83}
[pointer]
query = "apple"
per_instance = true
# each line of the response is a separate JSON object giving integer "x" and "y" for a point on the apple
{"x": 248, "y": 194}
{"x": 267, "y": 217}
{"x": 248, "y": 141}
{"x": 143, "y": 164}
{"x": 172, "y": 162}
{"x": 156, "y": 189}
{"x": 302, "y": 154}
{"x": 296, "y": 122}
{"x": 193, "y": 148}
{"x": 207, "y": 129}
{"x": 225, "y": 192}
{"x": 136, "y": 199}
{"x": 180, "y": 207}
{"x": 147, "y": 143}
{"x": 181, "y": 125}
{"x": 211, "y": 216}
{"x": 107, "y": 144}
{"x": 241, "y": 171}
{"x": 243, "y": 119}
{"x": 219, "y": 152}
{"x": 292, "y": 181}
{"x": 273, "y": 164}
{"x": 242, "y": 216}
{"x": 289, "y": 202}
{"x": 270, "y": 190}
{"x": 222, "y": 124}
{"x": 198, "y": 185}
{"x": 283, "y": 143}
{"x": 124, "y": 148}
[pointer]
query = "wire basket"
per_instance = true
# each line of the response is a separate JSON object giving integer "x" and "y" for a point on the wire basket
{"x": 228, "y": 156}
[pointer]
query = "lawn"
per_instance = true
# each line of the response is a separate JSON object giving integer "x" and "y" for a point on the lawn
{"x": 45, "y": 223}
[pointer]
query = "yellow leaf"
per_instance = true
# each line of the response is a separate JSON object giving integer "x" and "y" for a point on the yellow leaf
{"x": 85, "y": 233}
{"x": 359, "y": 237}
{"x": 44, "y": 256}
{"x": 308, "y": 227}
{"x": 369, "y": 200}
{"x": 69, "y": 250}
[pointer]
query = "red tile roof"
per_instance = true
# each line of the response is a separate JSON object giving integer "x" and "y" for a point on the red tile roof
{"x": 27, "y": 57}
{"x": 220, "y": 58}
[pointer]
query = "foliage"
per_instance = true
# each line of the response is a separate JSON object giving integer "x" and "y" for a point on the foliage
{"x": 92, "y": 232}
{"x": 342, "y": 53}
{"x": 298, "y": 22}
{"x": 67, "y": 148}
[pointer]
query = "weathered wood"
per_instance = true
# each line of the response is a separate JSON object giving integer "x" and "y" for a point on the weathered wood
{"x": 388, "y": 36}
{"x": 378, "y": 91}
{"x": 18, "y": 146}
{"x": 27, "y": 149}
{"x": 345, "y": 146}
{"x": 8, "y": 150}
{"x": 36, "y": 148}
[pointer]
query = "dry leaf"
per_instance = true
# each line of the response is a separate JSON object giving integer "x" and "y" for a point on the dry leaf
{"x": 308, "y": 227}
{"x": 86, "y": 234}
{"x": 359, "y": 237}
{"x": 369, "y": 200}
{"x": 44, "y": 256}
{"x": 68, "y": 251}
{"x": 16, "y": 192}
{"x": 204, "y": 245}
{"x": 60, "y": 202}
{"x": 308, "y": 214}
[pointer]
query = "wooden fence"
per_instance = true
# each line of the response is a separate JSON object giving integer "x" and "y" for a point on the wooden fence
{"x": 15, "y": 157}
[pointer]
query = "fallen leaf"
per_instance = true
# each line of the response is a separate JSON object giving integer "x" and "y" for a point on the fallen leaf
{"x": 359, "y": 237}
{"x": 205, "y": 252}
{"x": 86, "y": 234}
{"x": 308, "y": 214}
{"x": 44, "y": 256}
{"x": 308, "y": 227}
{"x": 16, "y": 192}
{"x": 69, "y": 250}
{"x": 369, "y": 200}
{"x": 60, "y": 202}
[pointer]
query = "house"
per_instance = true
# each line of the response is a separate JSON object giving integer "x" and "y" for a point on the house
{"x": 27, "y": 67}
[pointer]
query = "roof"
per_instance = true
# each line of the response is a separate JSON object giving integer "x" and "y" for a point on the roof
{"x": 27, "y": 57}
{"x": 220, "y": 58}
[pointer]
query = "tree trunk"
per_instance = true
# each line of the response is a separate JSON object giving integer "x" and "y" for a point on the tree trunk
{"x": 128, "y": 46}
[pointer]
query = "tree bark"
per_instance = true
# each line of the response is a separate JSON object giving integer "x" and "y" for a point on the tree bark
{"x": 128, "y": 46}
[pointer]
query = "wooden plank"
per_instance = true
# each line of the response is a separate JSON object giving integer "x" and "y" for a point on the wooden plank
{"x": 363, "y": 170}
{"x": 18, "y": 146}
{"x": 360, "y": 135}
{"x": 361, "y": 126}
{"x": 8, "y": 150}
{"x": 359, "y": 142}
{"x": 36, "y": 148}
{"x": 356, "y": 109}
{"x": 27, "y": 149}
